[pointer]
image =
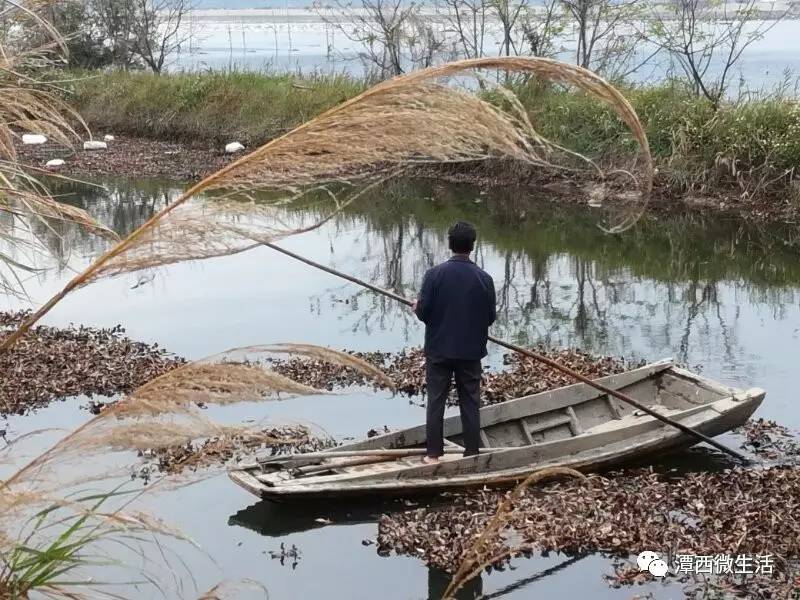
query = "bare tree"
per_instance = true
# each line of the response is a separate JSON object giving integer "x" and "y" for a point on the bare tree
{"x": 706, "y": 39}
{"x": 393, "y": 35}
{"x": 524, "y": 29}
{"x": 508, "y": 13}
{"x": 465, "y": 20}
{"x": 156, "y": 30}
{"x": 114, "y": 23}
{"x": 540, "y": 29}
{"x": 425, "y": 43}
{"x": 602, "y": 42}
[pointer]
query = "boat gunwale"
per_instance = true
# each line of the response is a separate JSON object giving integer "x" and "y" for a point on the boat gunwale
{"x": 742, "y": 400}
{"x": 646, "y": 371}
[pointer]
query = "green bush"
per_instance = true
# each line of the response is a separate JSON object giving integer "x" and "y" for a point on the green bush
{"x": 745, "y": 144}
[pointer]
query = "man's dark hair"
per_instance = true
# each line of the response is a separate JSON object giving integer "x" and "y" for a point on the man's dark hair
{"x": 461, "y": 237}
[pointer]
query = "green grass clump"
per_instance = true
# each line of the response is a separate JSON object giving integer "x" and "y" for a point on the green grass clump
{"x": 753, "y": 145}
{"x": 213, "y": 107}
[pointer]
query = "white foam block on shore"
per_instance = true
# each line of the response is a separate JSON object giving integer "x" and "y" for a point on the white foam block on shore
{"x": 33, "y": 138}
{"x": 94, "y": 145}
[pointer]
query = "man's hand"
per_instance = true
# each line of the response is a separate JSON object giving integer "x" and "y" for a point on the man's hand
{"x": 414, "y": 306}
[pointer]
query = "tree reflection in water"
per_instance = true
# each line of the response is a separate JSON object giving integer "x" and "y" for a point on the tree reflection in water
{"x": 677, "y": 283}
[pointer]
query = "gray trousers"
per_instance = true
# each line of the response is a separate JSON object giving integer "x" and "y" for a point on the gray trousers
{"x": 439, "y": 372}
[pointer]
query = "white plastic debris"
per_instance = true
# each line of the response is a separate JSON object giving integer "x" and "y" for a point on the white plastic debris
{"x": 94, "y": 145}
{"x": 233, "y": 147}
{"x": 55, "y": 162}
{"x": 33, "y": 138}
{"x": 108, "y": 137}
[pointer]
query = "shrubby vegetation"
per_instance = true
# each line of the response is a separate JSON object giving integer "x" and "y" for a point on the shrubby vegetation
{"x": 751, "y": 148}
{"x": 209, "y": 106}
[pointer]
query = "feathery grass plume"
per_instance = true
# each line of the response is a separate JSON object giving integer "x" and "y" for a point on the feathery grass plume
{"x": 236, "y": 375}
{"x": 409, "y": 120}
{"x": 28, "y": 105}
{"x": 163, "y": 412}
{"x": 483, "y": 553}
{"x": 160, "y": 414}
{"x": 60, "y": 534}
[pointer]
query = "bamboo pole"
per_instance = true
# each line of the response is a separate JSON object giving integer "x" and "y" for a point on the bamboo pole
{"x": 380, "y": 452}
{"x": 700, "y": 437}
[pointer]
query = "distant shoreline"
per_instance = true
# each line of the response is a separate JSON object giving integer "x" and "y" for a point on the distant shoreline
{"x": 765, "y": 11}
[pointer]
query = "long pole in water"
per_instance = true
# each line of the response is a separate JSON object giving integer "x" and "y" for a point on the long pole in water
{"x": 534, "y": 355}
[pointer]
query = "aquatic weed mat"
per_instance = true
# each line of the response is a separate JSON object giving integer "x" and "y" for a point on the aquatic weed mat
{"x": 51, "y": 363}
{"x": 405, "y": 371}
{"x": 213, "y": 452}
{"x": 737, "y": 511}
{"x": 520, "y": 376}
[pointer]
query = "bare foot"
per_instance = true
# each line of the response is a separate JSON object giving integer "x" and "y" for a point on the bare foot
{"x": 430, "y": 460}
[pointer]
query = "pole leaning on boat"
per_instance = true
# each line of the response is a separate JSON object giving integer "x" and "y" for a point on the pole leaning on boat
{"x": 530, "y": 354}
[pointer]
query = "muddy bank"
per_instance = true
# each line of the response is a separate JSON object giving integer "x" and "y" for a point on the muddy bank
{"x": 616, "y": 194}
{"x": 51, "y": 363}
{"x": 736, "y": 512}
{"x": 130, "y": 157}
{"x": 140, "y": 157}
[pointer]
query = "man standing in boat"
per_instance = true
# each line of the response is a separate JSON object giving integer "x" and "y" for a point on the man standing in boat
{"x": 457, "y": 305}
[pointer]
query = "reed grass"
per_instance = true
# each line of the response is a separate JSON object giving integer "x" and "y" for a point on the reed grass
{"x": 64, "y": 533}
{"x": 28, "y": 105}
{"x": 58, "y": 549}
{"x": 749, "y": 148}
{"x": 409, "y": 120}
{"x": 213, "y": 107}
{"x": 746, "y": 148}
{"x": 484, "y": 553}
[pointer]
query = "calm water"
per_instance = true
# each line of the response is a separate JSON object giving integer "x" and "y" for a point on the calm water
{"x": 715, "y": 294}
{"x": 297, "y": 39}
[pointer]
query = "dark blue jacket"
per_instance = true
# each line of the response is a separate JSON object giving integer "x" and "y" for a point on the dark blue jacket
{"x": 457, "y": 305}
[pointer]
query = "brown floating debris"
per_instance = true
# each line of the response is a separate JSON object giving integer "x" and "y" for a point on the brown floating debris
{"x": 736, "y": 511}
{"x": 222, "y": 450}
{"x": 770, "y": 440}
{"x": 49, "y": 363}
{"x": 407, "y": 370}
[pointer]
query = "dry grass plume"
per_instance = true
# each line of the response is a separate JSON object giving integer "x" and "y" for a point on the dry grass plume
{"x": 409, "y": 120}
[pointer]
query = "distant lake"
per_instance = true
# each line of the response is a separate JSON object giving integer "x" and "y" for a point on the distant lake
{"x": 292, "y": 38}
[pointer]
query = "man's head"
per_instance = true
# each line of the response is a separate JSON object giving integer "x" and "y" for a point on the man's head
{"x": 461, "y": 237}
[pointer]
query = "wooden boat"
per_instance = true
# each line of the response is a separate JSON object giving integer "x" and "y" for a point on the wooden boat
{"x": 575, "y": 426}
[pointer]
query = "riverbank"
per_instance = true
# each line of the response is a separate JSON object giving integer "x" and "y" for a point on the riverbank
{"x": 186, "y": 162}
{"x": 740, "y": 158}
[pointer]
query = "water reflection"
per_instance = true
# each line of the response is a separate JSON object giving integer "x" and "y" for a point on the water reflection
{"x": 709, "y": 291}
{"x": 278, "y": 520}
{"x": 676, "y": 287}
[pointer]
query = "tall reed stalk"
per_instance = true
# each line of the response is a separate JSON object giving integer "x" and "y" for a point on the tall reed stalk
{"x": 409, "y": 120}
